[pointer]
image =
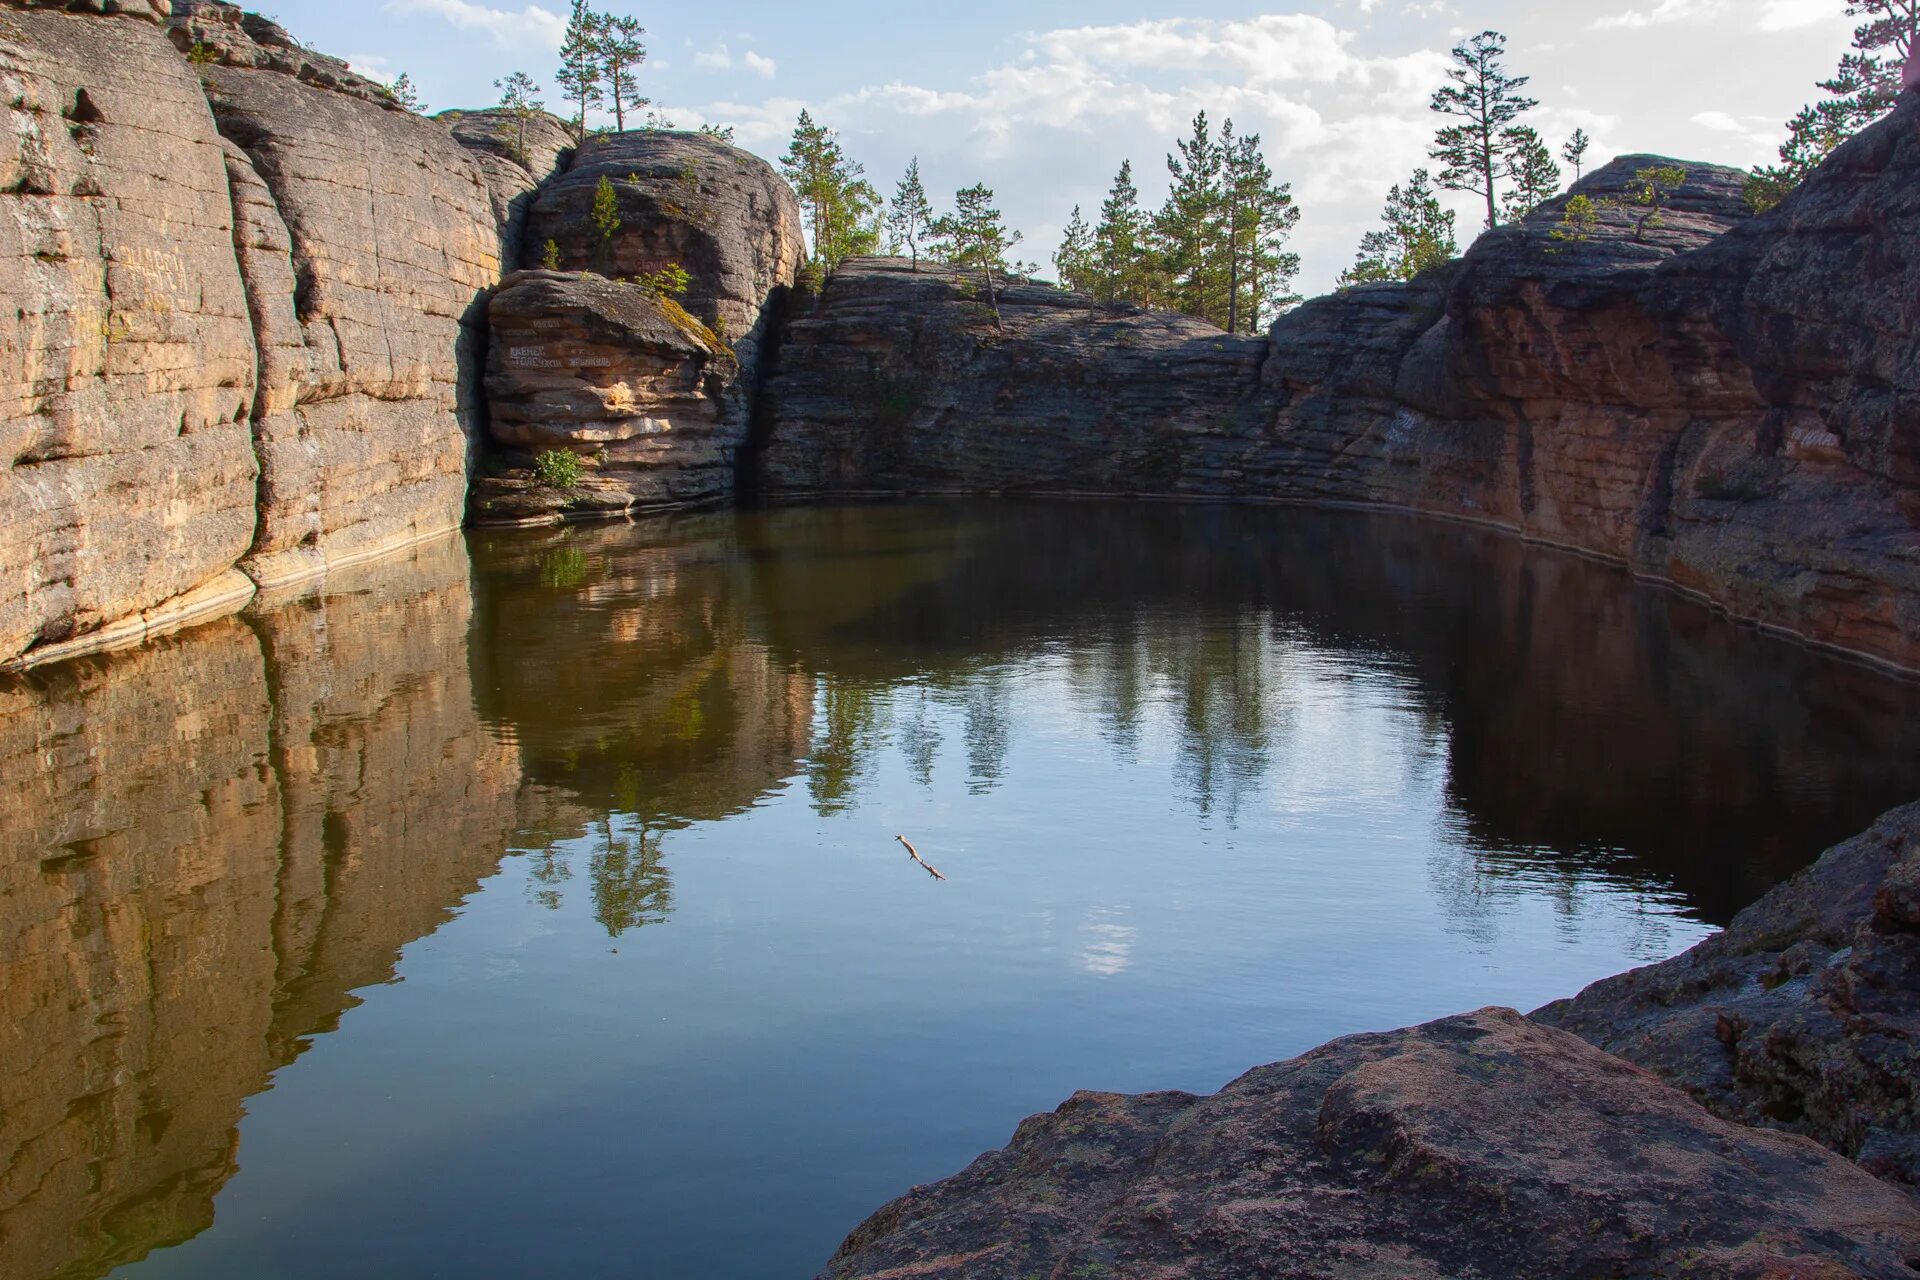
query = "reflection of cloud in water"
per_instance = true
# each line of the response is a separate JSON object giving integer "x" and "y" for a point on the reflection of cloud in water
{"x": 1109, "y": 945}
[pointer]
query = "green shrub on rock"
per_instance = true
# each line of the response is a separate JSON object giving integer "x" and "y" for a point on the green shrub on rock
{"x": 558, "y": 469}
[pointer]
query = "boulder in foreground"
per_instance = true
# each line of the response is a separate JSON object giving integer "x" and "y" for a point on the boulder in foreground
{"x": 1483, "y": 1145}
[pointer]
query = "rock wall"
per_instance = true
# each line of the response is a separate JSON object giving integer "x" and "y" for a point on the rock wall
{"x": 284, "y": 800}
{"x": 126, "y": 361}
{"x": 655, "y": 393}
{"x": 370, "y": 239}
{"x": 1714, "y": 400}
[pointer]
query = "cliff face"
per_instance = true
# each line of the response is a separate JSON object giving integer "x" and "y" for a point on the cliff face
{"x": 126, "y": 357}
{"x": 368, "y": 238}
{"x": 1711, "y": 399}
{"x": 654, "y": 391}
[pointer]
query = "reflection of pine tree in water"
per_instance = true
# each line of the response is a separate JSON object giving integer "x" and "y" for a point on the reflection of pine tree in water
{"x": 920, "y": 740}
{"x": 631, "y": 886}
{"x": 852, "y": 724}
{"x": 989, "y": 730}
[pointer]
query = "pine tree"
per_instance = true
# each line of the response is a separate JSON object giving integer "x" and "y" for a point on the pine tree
{"x": 1487, "y": 101}
{"x": 403, "y": 92}
{"x": 1117, "y": 241}
{"x": 1536, "y": 178}
{"x": 1861, "y": 91}
{"x": 581, "y": 77}
{"x": 842, "y": 208}
{"x": 974, "y": 236}
{"x": 910, "y": 213}
{"x": 621, "y": 51}
{"x": 1575, "y": 152}
{"x": 1417, "y": 234}
{"x": 1186, "y": 231}
{"x": 1256, "y": 218}
{"x": 605, "y": 217}
{"x": 518, "y": 98}
{"x": 1078, "y": 260}
{"x": 1645, "y": 201}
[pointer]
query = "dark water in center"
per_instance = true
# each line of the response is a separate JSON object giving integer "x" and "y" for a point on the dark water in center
{"x": 533, "y": 907}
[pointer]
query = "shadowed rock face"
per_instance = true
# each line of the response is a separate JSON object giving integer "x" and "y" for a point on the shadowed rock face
{"x": 1413, "y": 1153}
{"x": 1802, "y": 1014}
{"x": 1711, "y": 400}
{"x": 210, "y": 843}
{"x": 126, "y": 359}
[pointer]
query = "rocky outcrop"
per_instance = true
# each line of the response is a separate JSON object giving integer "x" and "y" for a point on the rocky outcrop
{"x": 902, "y": 381}
{"x": 1418, "y": 1153}
{"x": 582, "y": 363}
{"x": 517, "y": 154}
{"x": 369, "y": 404}
{"x": 687, "y": 200}
{"x": 1802, "y": 1015}
{"x": 1710, "y": 399}
{"x": 126, "y": 360}
{"x": 654, "y": 390}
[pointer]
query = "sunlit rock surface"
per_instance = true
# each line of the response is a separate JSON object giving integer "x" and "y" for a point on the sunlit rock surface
{"x": 126, "y": 357}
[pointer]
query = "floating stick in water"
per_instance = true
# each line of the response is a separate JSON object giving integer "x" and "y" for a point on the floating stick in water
{"x": 915, "y": 855}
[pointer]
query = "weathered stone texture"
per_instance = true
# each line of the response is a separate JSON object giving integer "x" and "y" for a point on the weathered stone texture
{"x": 901, "y": 381}
{"x": 364, "y": 429}
{"x": 1418, "y": 1153}
{"x": 1802, "y": 1015}
{"x": 579, "y": 362}
{"x": 688, "y": 200}
{"x": 517, "y": 156}
{"x": 126, "y": 361}
{"x": 656, "y": 392}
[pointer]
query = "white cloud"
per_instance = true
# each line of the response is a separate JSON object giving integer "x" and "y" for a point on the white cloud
{"x": 509, "y": 28}
{"x": 720, "y": 58}
{"x": 1667, "y": 11}
{"x": 1786, "y": 15}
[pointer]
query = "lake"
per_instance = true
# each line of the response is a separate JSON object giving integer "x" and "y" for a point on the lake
{"x": 532, "y": 904}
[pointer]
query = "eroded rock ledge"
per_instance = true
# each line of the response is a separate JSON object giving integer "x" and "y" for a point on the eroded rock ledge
{"x": 1493, "y": 1144}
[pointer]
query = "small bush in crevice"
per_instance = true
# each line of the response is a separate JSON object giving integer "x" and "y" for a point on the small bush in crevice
{"x": 558, "y": 469}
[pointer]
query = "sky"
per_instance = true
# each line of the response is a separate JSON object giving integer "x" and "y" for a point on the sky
{"x": 1042, "y": 99}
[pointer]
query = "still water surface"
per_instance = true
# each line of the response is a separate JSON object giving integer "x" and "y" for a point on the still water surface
{"x": 533, "y": 907}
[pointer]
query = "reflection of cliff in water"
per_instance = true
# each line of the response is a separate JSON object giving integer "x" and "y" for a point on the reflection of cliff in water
{"x": 1579, "y": 714}
{"x": 210, "y": 843}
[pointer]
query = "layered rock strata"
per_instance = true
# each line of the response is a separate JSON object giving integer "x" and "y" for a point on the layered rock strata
{"x": 1417, "y": 1153}
{"x": 579, "y": 362}
{"x": 369, "y": 238}
{"x": 1713, "y": 399}
{"x": 126, "y": 357}
{"x": 654, "y": 390}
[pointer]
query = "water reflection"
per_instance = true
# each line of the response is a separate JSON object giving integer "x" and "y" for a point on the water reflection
{"x": 210, "y": 844}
